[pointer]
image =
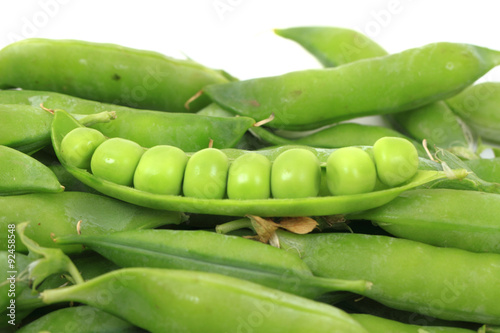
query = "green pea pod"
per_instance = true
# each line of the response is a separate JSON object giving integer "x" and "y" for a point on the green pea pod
{"x": 487, "y": 169}
{"x": 63, "y": 124}
{"x": 216, "y": 253}
{"x": 24, "y": 127}
{"x": 105, "y": 72}
{"x": 61, "y": 213}
{"x": 336, "y": 46}
{"x": 20, "y": 173}
{"x": 478, "y": 107}
{"x": 336, "y": 136}
{"x": 79, "y": 319}
{"x": 445, "y": 283}
{"x": 377, "y": 324}
{"x": 189, "y": 132}
{"x": 333, "y": 46}
{"x": 174, "y": 300}
{"x": 312, "y": 98}
{"x": 451, "y": 218}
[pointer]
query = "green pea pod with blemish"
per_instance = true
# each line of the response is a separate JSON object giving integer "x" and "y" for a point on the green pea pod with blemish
{"x": 190, "y": 132}
{"x": 450, "y": 218}
{"x": 210, "y": 252}
{"x": 487, "y": 169}
{"x": 20, "y": 173}
{"x": 445, "y": 283}
{"x": 377, "y": 324}
{"x": 79, "y": 319}
{"x": 478, "y": 107}
{"x": 105, "y": 72}
{"x": 435, "y": 122}
{"x": 312, "y": 98}
{"x": 176, "y": 300}
{"x": 327, "y": 205}
{"x": 61, "y": 212}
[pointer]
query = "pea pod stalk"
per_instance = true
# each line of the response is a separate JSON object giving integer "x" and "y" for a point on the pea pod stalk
{"x": 445, "y": 283}
{"x": 216, "y": 253}
{"x": 176, "y": 300}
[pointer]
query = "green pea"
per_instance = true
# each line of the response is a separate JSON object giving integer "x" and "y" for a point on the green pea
{"x": 78, "y": 146}
{"x": 160, "y": 170}
{"x": 350, "y": 170}
{"x": 205, "y": 175}
{"x": 249, "y": 177}
{"x": 396, "y": 160}
{"x": 115, "y": 160}
{"x": 295, "y": 173}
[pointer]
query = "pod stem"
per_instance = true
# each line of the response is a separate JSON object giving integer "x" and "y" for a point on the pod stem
{"x": 225, "y": 228}
{"x": 97, "y": 118}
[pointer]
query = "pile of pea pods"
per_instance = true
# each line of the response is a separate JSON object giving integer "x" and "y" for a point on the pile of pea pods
{"x": 143, "y": 193}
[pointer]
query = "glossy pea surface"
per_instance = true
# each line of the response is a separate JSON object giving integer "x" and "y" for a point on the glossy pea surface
{"x": 206, "y": 174}
{"x": 249, "y": 177}
{"x": 115, "y": 160}
{"x": 78, "y": 146}
{"x": 396, "y": 160}
{"x": 161, "y": 170}
{"x": 350, "y": 170}
{"x": 295, "y": 173}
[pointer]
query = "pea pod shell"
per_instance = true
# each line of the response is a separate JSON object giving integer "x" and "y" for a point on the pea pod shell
{"x": 445, "y": 283}
{"x": 190, "y": 132}
{"x": 20, "y": 173}
{"x": 79, "y": 319}
{"x": 105, "y": 72}
{"x": 312, "y": 98}
{"x": 216, "y": 253}
{"x": 63, "y": 123}
{"x": 467, "y": 220}
{"x": 61, "y": 213}
{"x": 173, "y": 300}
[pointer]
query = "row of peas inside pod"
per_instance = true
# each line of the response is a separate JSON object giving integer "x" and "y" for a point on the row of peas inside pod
{"x": 208, "y": 173}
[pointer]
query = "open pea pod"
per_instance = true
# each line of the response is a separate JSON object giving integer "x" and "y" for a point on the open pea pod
{"x": 327, "y": 205}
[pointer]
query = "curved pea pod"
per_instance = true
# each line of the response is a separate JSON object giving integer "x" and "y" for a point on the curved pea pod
{"x": 176, "y": 300}
{"x": 478, "y": 107}
{"x": 445, "y": 283}
{"x": 24, "y": 127}
{"x": 61, "y": 213}
{"x": 79, "y": 319}
{"x": 20, "y": 173}
{"x": 434, "y": 122}
{"x": 377, "y": 324}
{"x": 467, "y": 220}
{"x": 105, "y": 72}
{"x": 336, "y": 136}
{"x": 487, "y": 169}
{"x": 312, "y": 98}
{"x": 333, "y": 46}
{"x": 190, "y": 132}
{"x": 210, "y": 252}
{"x": 328, "y": 205}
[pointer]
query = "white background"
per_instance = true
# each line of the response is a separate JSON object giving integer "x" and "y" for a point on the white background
{"x": 236, "y": 35}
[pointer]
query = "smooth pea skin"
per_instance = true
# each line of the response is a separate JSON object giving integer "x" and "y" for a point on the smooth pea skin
{"x": 206, "y": 174}
{"x": 350, "y": 170}
{"x": 116, "y": 160}
{"x": 295, "y": 173}
{"x": 161, "y": 170}
{"x": 249, "y": 177}
{"x": 78, "y": 146}
{"x": 167, "y": 300}
{"x": 396, "y": 160}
